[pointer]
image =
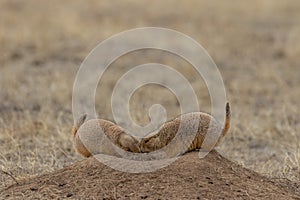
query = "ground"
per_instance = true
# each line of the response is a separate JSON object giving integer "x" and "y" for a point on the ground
{"x": 256, "y": 47}
{"x": 213, "y": 177}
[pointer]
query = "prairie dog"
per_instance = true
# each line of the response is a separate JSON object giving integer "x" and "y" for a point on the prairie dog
{"x": 87, "y": 139}
{"x": 168, "y": 131}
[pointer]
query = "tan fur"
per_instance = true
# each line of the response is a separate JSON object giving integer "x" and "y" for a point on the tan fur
{"x": 168, "y": 131}
{"x": 113, "y": 132}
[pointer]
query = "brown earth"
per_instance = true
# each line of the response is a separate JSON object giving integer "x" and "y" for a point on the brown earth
{"x": 213, "y": 177}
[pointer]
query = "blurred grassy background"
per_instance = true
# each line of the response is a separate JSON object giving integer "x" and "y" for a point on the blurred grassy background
{"x": 256, "y": 46}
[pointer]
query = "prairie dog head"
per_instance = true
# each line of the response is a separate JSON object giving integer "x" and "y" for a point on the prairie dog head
{"x": 129, "y": 143}
{"x": 150, "y": 144}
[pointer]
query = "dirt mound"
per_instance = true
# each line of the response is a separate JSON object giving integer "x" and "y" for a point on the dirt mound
{"x": 188, "y": 178}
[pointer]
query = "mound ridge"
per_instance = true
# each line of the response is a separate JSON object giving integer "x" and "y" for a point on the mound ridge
{"x": 213, "y": 177}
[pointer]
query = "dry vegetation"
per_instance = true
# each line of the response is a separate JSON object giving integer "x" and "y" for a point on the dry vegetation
{"x": 255, "y": 45}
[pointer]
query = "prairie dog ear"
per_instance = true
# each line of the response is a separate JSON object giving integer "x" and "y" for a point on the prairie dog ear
{"x": 151, "y": 142}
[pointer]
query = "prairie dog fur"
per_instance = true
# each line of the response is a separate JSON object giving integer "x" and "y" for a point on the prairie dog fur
{"x": 87, "y": 140}
{"x": 168, "y": 131}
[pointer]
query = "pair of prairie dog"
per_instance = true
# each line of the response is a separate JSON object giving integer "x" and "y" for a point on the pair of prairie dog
{"x": 86, "y": 143}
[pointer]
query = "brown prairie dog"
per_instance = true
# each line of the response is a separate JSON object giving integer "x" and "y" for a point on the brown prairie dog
{"x": 88, "y": 140}
{"x": 168, "y": 131}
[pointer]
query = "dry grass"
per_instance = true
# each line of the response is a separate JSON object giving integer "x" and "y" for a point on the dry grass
{"x": 255, "y": 45}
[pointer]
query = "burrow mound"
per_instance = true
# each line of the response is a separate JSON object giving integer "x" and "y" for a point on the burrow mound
{"x": 213, "y": 177}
